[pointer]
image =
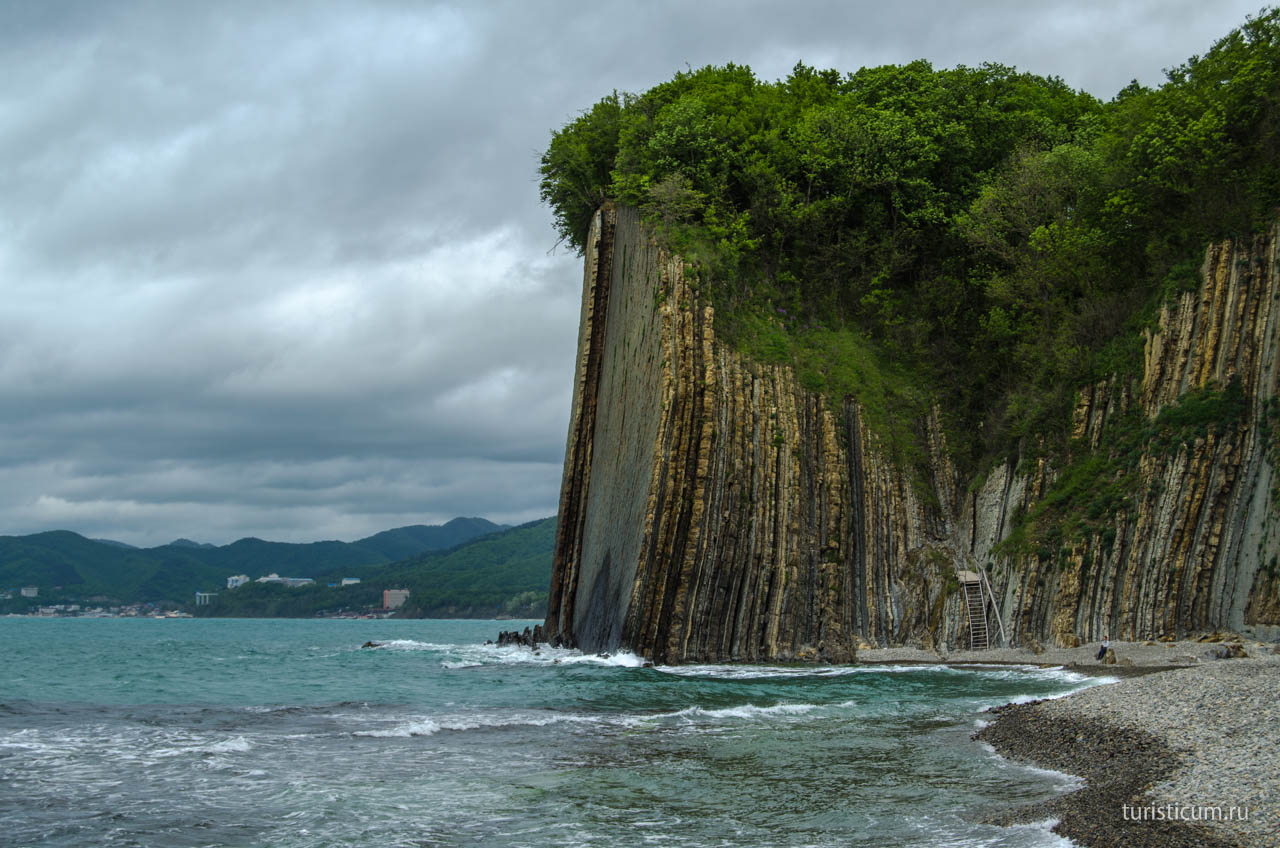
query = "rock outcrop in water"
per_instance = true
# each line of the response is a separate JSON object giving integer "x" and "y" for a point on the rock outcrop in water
{"x": 713, "y": 509}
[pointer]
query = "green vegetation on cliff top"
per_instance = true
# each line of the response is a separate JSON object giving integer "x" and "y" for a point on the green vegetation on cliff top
{"x": 981, "y": 238}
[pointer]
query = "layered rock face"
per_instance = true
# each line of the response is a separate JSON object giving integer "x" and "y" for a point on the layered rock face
{"x": 712, "y": 509}
{"x": 1196, "y": 548}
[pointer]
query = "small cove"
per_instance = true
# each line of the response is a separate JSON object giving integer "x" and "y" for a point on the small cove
{"x": 288, "y": 733}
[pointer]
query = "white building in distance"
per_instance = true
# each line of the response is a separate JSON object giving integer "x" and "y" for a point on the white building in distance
{"x": 288, "y": 581}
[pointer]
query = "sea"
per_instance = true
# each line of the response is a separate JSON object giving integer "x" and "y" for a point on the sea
{"x": 226, "y": 732}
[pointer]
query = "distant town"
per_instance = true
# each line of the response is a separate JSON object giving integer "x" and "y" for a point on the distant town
{"x": 466, "y": 568}
{"x": 392, "y": 600}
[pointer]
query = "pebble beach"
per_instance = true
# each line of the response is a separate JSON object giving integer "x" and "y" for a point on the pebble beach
{"x": 1180, "y": 738}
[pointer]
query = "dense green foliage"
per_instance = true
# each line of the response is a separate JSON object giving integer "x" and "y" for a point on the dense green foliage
{"x": 504, "y": 572}
{"x": 992, "y": 235}
{"x": 507, "y": 572}
{"x": 65, "y": 566}
{"x": 1095, "y": 485}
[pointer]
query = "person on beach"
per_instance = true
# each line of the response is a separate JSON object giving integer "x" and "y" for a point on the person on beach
{"x": 1106, "y": 645}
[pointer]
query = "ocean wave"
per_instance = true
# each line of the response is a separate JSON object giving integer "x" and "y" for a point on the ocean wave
{"x": 122, "y": 744}
{"x": 181, "y": 745}
{"x": 1055, "y": 673}
{"x": 762, "y": 672}
{"x": 407, "y": 645}
{"x": 429, "y": 726}
{"x": 409, "y": 726}
{"x": 744, "y": 711}
{"x": 1048, "y": 838}
{"x": 1078, "y": 682}
{"x": 238, "y": 744}
{"x": 461, "y": 656}
{"x": 1065, "y": 782}
{"x": 755, "y": 672}
{"x": 424, "y": 727}
{"x": 472, "y": 656}
{"x": 1038, "y": 834}
{"x": 1019, "y": 673}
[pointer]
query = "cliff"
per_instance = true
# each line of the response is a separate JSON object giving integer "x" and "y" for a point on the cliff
{"x": 713, "y": 509}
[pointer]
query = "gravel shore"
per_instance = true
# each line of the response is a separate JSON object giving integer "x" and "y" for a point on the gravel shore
{"x": 1200, "y": 736}
{"x": 1128, "y": 655}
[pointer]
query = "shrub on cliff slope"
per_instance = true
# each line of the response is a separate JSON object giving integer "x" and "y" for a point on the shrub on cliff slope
{"x": 993, "y": 235}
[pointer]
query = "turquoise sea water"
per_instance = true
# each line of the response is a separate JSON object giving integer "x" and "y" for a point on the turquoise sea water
{"x": 120, "y": 732}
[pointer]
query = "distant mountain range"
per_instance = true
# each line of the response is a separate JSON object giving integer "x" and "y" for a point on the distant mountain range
{"x": 66, "y": 565}
{"x": 504, "y": 572}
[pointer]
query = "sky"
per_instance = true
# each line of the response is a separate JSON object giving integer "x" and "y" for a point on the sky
{"x": 281, "y": 270}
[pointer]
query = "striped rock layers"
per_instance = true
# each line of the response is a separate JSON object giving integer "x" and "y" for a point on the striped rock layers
{"x": 713, "y": 509}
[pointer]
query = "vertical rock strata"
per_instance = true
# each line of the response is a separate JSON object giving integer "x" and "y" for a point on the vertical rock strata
{"x": 1195, "y": 547}
{"x": 712, "y": 509}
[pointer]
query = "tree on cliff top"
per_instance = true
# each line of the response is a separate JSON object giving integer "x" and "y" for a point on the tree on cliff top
{"x": 996, "y": 233}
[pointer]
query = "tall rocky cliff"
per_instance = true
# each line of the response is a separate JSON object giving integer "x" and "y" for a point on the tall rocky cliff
{"x": 713, "y": 509}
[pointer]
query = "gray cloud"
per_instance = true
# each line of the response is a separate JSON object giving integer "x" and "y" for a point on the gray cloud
{"x": 280, "y": 269}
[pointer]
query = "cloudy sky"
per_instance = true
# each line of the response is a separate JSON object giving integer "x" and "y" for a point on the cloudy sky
{"x": 280, "y": 269}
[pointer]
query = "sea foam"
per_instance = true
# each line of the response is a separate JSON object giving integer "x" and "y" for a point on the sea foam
{"x": 429, "y": 726}
{"x": 744, "y": 711}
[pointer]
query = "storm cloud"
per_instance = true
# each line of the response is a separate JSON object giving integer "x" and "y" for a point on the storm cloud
{"x": 281, "y": 270}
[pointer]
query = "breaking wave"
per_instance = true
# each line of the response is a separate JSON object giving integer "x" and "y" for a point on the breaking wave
{"x": 474, "y": 656}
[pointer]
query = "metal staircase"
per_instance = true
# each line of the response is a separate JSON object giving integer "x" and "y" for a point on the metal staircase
{"x": 973, "y": 584}
{"x": 975, "y": 607}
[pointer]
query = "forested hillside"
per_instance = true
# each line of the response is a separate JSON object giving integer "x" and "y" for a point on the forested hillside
{"x": 65, "y": 566}
{"x": 505, "y": 572}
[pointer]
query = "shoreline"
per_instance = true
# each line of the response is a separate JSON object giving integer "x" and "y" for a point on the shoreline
{"x": 1180, "y": 743}
{"x": 1179, "y": 654}
{"x": 1117, "y": 765}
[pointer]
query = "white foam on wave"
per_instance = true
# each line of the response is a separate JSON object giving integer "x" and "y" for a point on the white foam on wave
{"x": 422, "y": 727}
{"x": 472, "y": 656}
{"x": 409, "y": 645}
{"x": 1054, "y": 673}
{"x": 461, "y": 656}
{"x": 28, "y": 739}
{"x": 238, "y": 744}
{"x": 1046, "y": 837}
{"x": 409, "y": 726}
{"x": 184, "y": 744}
{"x": 1064, "y": 781}
{"x": 743, "y": 711}
{"x": 65, "y": 745}
{"x": 758, "y": 672}
{"x": 1079, "y": 682}
{"x": 752, "y": 672}
{"x": 1026, "y": 835}
{"x": 429, "y": 726}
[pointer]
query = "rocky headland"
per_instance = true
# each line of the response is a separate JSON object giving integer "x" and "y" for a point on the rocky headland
{"x": 714, "y": 509}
